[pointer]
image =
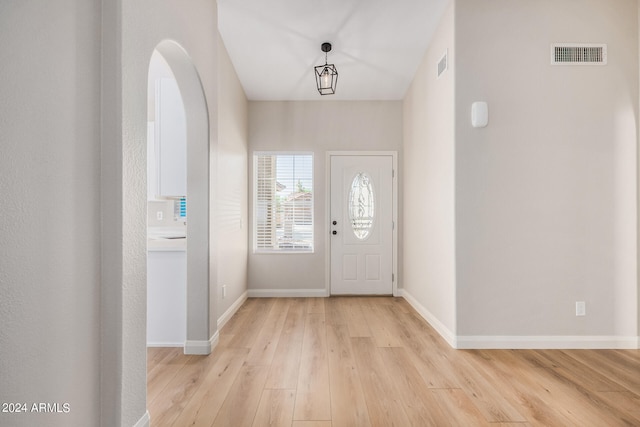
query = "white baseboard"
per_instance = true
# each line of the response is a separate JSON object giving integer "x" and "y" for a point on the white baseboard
{"x": 477, "y": 342}
{"x": 288, "y": 293}
{"x": 165, "y": 344}
{"x": 202, "y": 348}
{"x": 436, "y": 324}
{"x": 222, "y": 320}
{"x": 562, "y": 342}
{"x": 206, "y": 347}
{"x": 144, "y": 421}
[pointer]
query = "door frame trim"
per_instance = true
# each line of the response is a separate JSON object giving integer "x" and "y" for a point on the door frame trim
{"x": 325, "y": 227}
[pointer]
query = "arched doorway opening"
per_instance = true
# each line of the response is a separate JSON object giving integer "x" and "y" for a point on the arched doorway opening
{"x": 198, "y": 337}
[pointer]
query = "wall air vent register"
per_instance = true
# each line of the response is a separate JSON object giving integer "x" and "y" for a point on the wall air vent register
{"x": 578, "y": 54}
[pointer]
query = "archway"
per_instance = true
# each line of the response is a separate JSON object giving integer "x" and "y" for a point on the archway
{"x": 198, "y": 335}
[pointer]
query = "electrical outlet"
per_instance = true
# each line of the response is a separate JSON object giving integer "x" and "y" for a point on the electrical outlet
{"x": 159, "y": 215}
{"x": 224, "y": 291}
{"x": 581, "y": 308}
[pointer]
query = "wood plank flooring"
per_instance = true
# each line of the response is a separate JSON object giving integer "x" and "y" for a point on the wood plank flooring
{"x": 373, "y": 361}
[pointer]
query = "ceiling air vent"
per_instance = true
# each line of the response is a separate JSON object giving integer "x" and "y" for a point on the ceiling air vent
{"x": 578, "y": 54}
{"x": 442, "y": 64}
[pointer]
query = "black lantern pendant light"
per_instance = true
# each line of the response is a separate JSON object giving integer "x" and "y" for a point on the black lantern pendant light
{"x": 326, "y": 75}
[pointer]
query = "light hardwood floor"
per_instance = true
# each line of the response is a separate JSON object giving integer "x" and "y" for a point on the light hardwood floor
{"x": 329, "y": 362}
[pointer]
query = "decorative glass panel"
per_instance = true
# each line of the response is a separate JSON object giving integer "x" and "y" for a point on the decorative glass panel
{"x": 361, "y": 205}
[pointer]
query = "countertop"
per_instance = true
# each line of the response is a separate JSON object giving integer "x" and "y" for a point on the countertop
{"x": 166, "y": 239}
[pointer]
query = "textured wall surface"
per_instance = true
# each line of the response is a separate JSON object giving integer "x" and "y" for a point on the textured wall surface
{"x": 429, "y": 187}
{"x": 145, "y": 26}
{"x": 546, "y": 194}
{"x": 73, "y": 166}
{"x": 232, "y": 196}
{"x": 50, "y": 213}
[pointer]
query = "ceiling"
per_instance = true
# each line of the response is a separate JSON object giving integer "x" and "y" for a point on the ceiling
{"x": 377, "y": 45}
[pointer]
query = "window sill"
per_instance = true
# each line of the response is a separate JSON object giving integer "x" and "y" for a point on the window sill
{"x": 283, "y": 252}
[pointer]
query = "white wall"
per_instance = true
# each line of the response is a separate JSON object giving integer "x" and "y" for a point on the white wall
{"x": 132, "y": 31}
{"x": 316, "y": 126}
{"x": 231, "y": 215}
{"x": 546, "y": 194}
{"x": 50, "y": 213}
{"x": 428, "y": 175}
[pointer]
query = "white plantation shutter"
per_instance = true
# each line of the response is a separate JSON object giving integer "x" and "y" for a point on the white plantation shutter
{"x": 265, "y": 197}
{"x": 283, "y": 207}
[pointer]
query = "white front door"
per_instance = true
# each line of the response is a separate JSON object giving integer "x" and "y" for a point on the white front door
{"x": 361, "y": 224}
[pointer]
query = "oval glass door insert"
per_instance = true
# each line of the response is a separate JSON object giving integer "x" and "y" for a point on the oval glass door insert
{"x": 361, "y": 205}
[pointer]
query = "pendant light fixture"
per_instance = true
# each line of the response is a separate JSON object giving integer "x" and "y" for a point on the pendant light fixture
{"x": 326, "y": 75}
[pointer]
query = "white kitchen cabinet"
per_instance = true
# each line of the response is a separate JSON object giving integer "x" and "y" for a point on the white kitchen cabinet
{"x": 166, "y": 297}
{"x": 170, "y": 139}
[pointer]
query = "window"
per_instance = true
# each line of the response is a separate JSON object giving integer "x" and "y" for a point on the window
{"x": 283, "y": 202}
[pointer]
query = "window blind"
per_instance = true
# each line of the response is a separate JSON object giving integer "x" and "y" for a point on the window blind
{"x": 283, "y": 207}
